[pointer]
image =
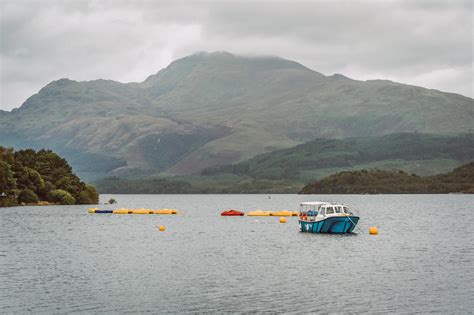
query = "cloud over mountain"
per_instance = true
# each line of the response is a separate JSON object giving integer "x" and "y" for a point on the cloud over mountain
{"x": 427, "y": 43}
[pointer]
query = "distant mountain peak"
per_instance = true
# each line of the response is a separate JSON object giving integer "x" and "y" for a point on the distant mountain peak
{"x": 63, "y": 82}
{"x": 227, "y": 57}
{"x": 213, "y": 54}
{"x": 222, "y": 61}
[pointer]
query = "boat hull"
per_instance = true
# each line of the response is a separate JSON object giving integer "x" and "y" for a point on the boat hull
{"x": 336, "y": 225}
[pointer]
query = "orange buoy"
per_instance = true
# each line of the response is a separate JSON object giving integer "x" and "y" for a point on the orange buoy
{"x": 161, "y": 228}
{"x": 373, "y": 230}
{"x": 282, "y": 220}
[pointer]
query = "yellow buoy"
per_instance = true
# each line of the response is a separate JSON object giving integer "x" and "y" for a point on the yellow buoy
{"x": 161, "y": 228}
{"x": 92, "y": 210}
{"x": 373, "y": 230}
{"x": 282, "y": 220}
{"x": 260, "y": 213}
{"x": 282, "y": 213}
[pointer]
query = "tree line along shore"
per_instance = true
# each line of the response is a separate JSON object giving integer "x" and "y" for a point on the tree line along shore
{"x": 43, "y": 177}
{"x": 371, "y": 181}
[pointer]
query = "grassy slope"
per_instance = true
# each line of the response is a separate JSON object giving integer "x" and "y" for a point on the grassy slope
{"x": 418, "y": 167}
{"x": 422, "y": 154}
{"x": 284, "y": 107}
{"x": 286, "y": 171}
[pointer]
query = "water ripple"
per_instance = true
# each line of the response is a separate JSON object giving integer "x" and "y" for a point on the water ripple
{"x": 61, "y": 259}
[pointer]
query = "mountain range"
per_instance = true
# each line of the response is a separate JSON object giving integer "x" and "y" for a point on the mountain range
{"x": 212, "y": 109}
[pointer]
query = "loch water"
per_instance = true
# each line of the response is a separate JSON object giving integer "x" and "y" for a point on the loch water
{"x": 60, "y": 259}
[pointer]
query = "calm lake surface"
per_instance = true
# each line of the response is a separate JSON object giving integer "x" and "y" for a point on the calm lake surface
{"x": 62, "y": 259}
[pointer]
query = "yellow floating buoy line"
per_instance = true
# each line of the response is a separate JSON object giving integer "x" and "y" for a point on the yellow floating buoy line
{"x": 144, "y": 211}
{"x": 134, "y": 211}
{"x": 263, "y": 213}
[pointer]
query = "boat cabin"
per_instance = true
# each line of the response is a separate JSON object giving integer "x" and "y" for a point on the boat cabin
{"x": 315, "y": 210}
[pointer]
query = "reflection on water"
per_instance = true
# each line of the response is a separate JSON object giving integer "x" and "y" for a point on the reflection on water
{"x": 62, "y": 259}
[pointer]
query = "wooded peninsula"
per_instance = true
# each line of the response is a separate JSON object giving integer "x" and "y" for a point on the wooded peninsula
{"x": 40, "y": 177}
{"x": 460, "y": 180}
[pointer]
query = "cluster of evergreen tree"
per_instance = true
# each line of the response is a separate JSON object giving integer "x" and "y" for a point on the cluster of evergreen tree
{"x": 460, "y": 180}
{"x": 29, "y": 176}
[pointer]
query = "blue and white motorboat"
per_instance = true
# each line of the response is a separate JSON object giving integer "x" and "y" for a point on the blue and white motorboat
{"x": 325, "y": 217}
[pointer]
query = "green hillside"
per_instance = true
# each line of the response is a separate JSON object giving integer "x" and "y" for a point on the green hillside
{"x": 212, "y": 109}
{"x": 461, "y": 180}
{"x": 287, "y": 171}
{"x": 422, "y": 154}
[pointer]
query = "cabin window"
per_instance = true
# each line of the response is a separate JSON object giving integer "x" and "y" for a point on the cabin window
{"x": 329, "y": 210}
{"x": 346, "y": 210}
{"x": 323, "y": 211}
{"x": 338, "y": 209}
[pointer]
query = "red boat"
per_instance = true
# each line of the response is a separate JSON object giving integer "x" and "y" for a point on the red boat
{"x": 232, "y": 213}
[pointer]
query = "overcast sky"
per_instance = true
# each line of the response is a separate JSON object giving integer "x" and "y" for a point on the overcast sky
{"x": 426, "y": 43}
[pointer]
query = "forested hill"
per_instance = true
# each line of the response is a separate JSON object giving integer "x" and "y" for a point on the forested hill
{"x": 288, "y": 170}
{"x": 29, "y": 177}
{"x": 422, "y": 154}
{"x": 461, "y": 180}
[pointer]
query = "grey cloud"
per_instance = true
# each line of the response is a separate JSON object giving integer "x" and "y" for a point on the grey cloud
{"x": 427, "y": 43}
{"x": 378, "y": 35}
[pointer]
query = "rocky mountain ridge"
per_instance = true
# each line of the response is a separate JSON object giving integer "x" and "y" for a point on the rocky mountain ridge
{"x": 211, "y": 109}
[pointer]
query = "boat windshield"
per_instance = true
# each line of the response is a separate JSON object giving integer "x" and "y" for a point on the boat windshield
{"x": 338, "y": 209}
{"x": 346, "y": 210}
{"x": 310, "y": 208}
{"x": 329, "y": 210}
